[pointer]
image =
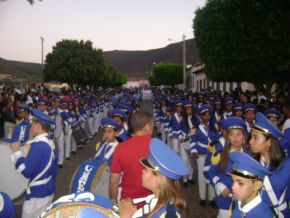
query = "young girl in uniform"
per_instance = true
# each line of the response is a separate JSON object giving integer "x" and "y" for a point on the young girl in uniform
{"x": 264, "y": 144}
{"x": 220, "y": 165}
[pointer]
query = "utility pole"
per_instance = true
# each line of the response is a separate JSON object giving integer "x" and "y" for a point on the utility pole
{"x": 184, "y": 61}
{"x": 42, "y": 40}
{"x": 183, "y": 57}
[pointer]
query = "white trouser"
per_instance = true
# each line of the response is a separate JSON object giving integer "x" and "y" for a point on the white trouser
{"x": 168, "y": 140}
{"x": 67, "y": 142}
{"x": 202, "y": 183}
{"x": 60, "y": 147}
{"x": 95, "y": 123}
{"x": 186, "y": 159}
{"x": 8, "y": 129}
{"x": 175, "y": 145}
{"x": 223, "y": 213}
{"x": 89, "y": 125}
{"x": 163, "y": 133}
{"x": 159, "y": 127}
{"x": 35, "y": 206}
{"x": 73, "y": 144}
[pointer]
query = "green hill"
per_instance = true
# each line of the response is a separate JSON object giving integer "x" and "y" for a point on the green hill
{"x": 13, "y": 70}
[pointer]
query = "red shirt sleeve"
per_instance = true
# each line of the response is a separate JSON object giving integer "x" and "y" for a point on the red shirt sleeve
{"x": 116, "y": 166}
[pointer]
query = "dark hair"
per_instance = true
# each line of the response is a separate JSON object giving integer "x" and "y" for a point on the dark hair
{"x": 225, "y": 154}
{"x": 139, "y": 119}
{"x": 44, "y": 127}
{"x": 276, "y": 155}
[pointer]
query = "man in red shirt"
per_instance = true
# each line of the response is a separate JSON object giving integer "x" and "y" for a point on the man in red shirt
{"x": 126, "y": 158}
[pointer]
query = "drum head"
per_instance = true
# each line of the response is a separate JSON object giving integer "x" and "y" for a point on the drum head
{"x": 12, "y": 182}
{"x": 78, "y": 210}
{"x": 81, "y": 205}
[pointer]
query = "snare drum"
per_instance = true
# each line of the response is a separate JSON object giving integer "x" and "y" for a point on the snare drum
{"x": 81, "y": 205}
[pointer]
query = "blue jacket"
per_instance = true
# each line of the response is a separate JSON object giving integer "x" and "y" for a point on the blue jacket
{"x": 260, "y": 209}
{"x": 280, "y": 182}
{"x": 220, "y": 180}
{"x": 38, "y": 155}
{"x": 175, "y": 125}
{"x": 199, "y": 141}
{"x": 188, "y": 126}
{"x": 8, "y": 209}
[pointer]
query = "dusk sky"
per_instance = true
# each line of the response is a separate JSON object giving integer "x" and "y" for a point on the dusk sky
{"x": 109, "y": 24}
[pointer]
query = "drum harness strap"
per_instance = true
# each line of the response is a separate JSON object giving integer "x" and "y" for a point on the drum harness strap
{"x": 277, "y": 205}
{"x": 35, "y": 181}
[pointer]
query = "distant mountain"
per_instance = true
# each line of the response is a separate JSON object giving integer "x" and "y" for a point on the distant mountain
{"x": 11, "y": 70}
{"x": 140, "y": 63}
{"x": 137, "y": 64}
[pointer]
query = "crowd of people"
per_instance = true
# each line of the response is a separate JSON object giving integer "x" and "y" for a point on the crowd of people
{"x": 206, "y": 128}
{"x": 239, "y": 145}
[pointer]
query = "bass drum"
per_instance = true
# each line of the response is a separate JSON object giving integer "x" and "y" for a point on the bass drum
{"x": 92, "y": 175}
{"x": 12, "y": 182}
{"x": 81, "y": 205}
{"x": 79, "y": 134}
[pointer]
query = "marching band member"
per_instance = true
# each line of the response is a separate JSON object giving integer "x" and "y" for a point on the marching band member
{"x": 128, "y": 110}
{"x": 219, "y": 164}
{"x": 42, "y": 105}
{"x": 162, "y": 170}
{"x": 266, "y": 149}
{"x": 73, "y": 118}
{"x": 273, "y": 115}
{"x": 7, "y": 208}
{"x": 120, "y": 117}
{"x": 217, "y": 112}
{"x": 238, "y": 110}
{"x": 162, "y": 119}
{"x": 106, "y": 148}
{"x": 21, "y": 130}
{"x": 67, "y": 131}
{"x": 204, "y": 135}
{"x": 188, "y": 126}
{"x": 249, "y": 112}
{"x": 58, "y": 131}
{"x": 175, "y": 125}
{"x": 39, "y": 164}
{"x": 247, "y": 175}
{"x": 228, "y": 108}
{"x": 285, "y": 141}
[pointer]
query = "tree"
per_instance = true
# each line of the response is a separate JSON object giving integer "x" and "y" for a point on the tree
{"x": 245, "y": 40}
{"x": 167, "y": 74}
{"x": 77, "y": 62}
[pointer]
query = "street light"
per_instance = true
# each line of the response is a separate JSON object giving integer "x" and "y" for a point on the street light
{"x": 42, "y": 40}
{"x": 183, "y": 58}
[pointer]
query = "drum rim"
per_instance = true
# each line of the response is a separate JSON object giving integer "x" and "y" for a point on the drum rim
{"x": 105, "y": 211}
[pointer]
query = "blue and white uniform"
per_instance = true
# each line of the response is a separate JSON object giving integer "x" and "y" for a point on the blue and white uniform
{"x": 200, "y": 141}
{"x": 39, "y": 165}
{"x": 246, "y": 167}
{"x": 7, "y": 208}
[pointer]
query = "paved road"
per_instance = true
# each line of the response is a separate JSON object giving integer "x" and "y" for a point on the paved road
{"x": 65, "y": 174}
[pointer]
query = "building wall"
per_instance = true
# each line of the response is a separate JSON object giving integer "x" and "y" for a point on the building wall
{"x": 199, "y": 81}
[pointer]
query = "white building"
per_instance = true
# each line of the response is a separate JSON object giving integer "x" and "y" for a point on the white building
{"x": 197, "y": 80}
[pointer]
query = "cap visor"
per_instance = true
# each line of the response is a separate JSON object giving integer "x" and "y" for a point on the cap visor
{"x": 145, "y": 163}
